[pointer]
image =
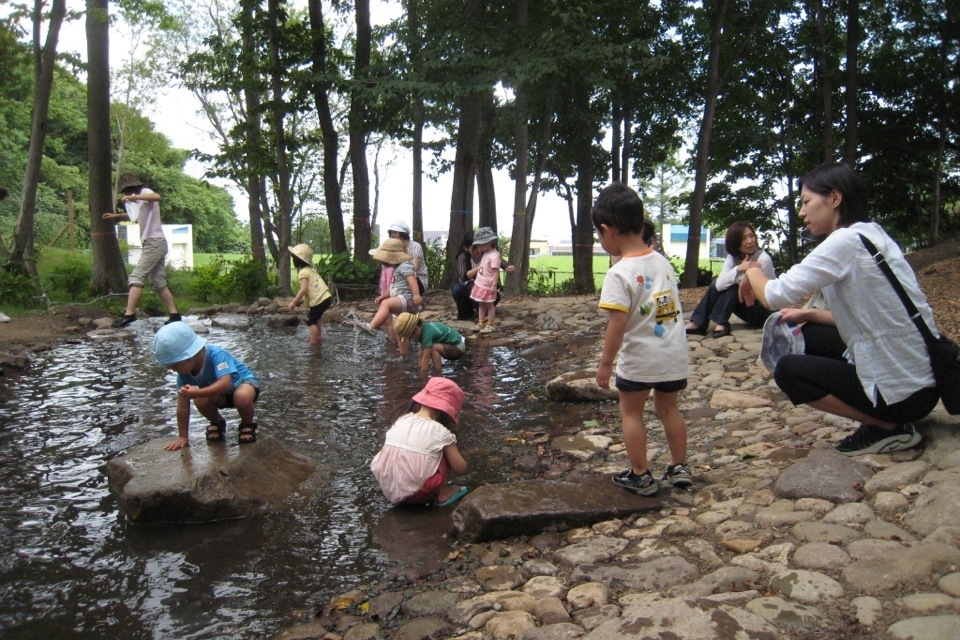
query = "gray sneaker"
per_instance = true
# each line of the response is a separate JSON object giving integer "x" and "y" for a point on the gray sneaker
{"x": 870, "y": 439}
{"x": 678, "y": 475}
{"x": 642, "y": 484}
{"x": 365, "y": 326}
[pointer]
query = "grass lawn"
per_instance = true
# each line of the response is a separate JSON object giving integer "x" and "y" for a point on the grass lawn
{"x": 563, "y": 266}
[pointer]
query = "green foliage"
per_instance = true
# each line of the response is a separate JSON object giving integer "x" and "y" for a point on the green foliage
{"x": 435, "y": 255}
{"x": 17, "y": 288}
{"x": 543, "y": 282}
{"x": 341, "y": 268}
{"x": 220, "y": 282}
{"x": 69, "y": 280}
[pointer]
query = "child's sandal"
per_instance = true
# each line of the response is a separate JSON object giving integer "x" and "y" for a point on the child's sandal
{"x": 215, "y": 431}
{"x": 248, "y": 433}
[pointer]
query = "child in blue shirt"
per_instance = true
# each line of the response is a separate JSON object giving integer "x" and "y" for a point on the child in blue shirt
{"x": 212, "y": 378}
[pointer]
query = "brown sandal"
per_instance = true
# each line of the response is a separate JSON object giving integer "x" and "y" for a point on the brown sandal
{"x": 248, "y": 433}
{"x": 215, "y": 431}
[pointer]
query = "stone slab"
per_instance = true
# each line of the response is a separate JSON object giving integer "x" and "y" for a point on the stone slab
{"x": 203, "y": 483}
{"x": 531, "y": 506}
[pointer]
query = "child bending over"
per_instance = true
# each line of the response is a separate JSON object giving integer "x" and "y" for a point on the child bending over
{"x": 437, "y": 341}
{"x": 212, "y": 378}
{"x": 420, "y": 450}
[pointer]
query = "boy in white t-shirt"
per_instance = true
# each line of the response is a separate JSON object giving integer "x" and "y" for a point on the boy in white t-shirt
{"x": 640, "y": 292}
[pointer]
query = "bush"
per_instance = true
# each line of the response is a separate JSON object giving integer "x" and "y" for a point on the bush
{"x": 356, "y": 279}
{"x": 543, "y": 282}
{"x": 18, "y": 289}
{"x": 69, "y": 281}
{"x": 220, "y": 282}
{"x": 435, "y": 255}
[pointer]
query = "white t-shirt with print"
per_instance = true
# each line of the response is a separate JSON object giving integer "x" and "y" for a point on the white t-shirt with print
{"x": 654, "y": 345}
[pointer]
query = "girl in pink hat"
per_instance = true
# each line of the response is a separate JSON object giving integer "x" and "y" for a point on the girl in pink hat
{"x": 420, "y": 450}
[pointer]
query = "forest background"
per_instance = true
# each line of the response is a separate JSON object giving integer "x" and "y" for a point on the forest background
{"x": 710, "y": 109}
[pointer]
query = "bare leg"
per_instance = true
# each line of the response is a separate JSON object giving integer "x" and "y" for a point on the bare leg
{"x": 167, "y": 297}
{"x": 634, "y": 432}
{"x": 133, "y": 299}
{"x": 674, "y": 426}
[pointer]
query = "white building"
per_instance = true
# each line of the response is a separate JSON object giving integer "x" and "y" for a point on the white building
{"x": 179, "y": 244}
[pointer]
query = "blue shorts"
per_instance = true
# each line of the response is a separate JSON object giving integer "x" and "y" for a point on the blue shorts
{"x": 666, "y": 387}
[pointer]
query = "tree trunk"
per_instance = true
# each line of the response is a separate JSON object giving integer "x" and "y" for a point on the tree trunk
{"x": 824, "y": 80}
{"x": 277, "y": 116}
{"x": 331, "y": 140}
{"x": 109, "y": 274}
{"x": 583, "y": 228}
{"x": 21, "y": 255}
{"x": 702, "y": 169}
{"x": 464, "y": 172}
{"x": 519, "y": 239}
{"x": 358, "y": 146}
{"x": 252, "y": 102}
{"x": 851, "y": 148}
{"x": 414, "y": 39}
{"x": 616, "y": 142}
{"x": 486, "y": 192}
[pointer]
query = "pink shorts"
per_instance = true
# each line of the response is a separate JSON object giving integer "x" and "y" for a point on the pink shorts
{"x": 431, "y": 488}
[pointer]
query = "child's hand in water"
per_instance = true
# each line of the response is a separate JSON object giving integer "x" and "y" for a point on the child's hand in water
{"x": 176, "y": 445}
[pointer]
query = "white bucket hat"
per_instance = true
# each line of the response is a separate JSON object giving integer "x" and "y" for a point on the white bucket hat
{"x": 780, "y": 339}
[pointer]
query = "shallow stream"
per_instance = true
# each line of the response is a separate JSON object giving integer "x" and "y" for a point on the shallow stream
{"x": 71, "y": 566}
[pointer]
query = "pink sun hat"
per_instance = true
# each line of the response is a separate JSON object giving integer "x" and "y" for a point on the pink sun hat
{"x": 443, "y": 395}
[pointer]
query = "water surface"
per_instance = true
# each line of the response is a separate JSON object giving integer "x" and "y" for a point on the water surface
{"x": 72, "y": 566}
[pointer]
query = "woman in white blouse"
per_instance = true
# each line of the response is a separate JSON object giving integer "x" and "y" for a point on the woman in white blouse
{"x": 721, "y": 300}
{"x": 886, "y": 381}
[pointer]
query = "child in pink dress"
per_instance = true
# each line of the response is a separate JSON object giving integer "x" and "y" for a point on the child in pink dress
{"x": 486, "y": 277}
{"x": 420, "y": 450}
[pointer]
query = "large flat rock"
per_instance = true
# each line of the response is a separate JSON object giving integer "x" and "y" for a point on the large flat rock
{"x": 202, "y": 483}
{"x": 531, "y": 506}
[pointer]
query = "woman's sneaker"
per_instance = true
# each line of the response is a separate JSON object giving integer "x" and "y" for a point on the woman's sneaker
{"x": 870, "y": 439}
{"x": 678, "y": 475}
{"x": 642, "y": 484}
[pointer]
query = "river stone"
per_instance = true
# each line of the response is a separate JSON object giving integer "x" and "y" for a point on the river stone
{"x": 896, "y": 476}
{"x": 509, "y": 625}
{"x": 655, "y": 575}
{"x": 497, "y": 511}
{"x": 823, "y": 474}
{"x": 785, "y": 613}
{"x": 808, "y": 587}
{"x": 231, "y": 321}
{"x": 579, "y": 386}
{"x": 940, "y": 506}
{"x": 422, "y": 628}
{"x": 282, "y": 319}
{"x": 910, "y": 565}
{"x": 108, "y": 334}
{"x": 729, "y": 399}
{"x": 926, "y": 628}
{"x": 689, "y": 619}
{"x": 581, "y": 446}
{"x": 205, "y": 482}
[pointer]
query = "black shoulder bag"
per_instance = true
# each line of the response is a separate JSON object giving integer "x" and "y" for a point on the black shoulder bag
{"x": 944, "y": 352}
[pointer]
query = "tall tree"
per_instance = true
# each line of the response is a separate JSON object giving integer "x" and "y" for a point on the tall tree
{"x": 108, "y": 274}
{"x": 323, "y": 70}
{"x": 21, "y": 255}
{"x": 362, "y": 233}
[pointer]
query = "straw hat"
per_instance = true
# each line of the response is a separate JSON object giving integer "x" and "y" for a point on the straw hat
{"x": 176, "y": 342}
{"x": 128, "y": 180}
{"x": 443, "y": 395}
{"x": 484, "y": 235}
{"x": 302, "y": 251}
{"x": 405, "y": 324}
{"x": 391, "y": 251}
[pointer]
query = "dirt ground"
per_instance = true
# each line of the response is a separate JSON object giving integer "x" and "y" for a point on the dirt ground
{"x": 940, "y": 281}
